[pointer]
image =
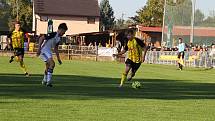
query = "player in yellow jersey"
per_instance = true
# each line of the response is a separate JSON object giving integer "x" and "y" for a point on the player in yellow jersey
{"x": 135, "y": 48}
{"x": 17, "y": 39}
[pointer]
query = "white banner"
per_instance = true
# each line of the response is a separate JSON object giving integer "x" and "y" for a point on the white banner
{"x": 103, "y": 51}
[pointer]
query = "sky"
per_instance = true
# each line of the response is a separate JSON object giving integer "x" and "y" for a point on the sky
{"x": 126, "y": 7}
{"x": 129, "y": 7}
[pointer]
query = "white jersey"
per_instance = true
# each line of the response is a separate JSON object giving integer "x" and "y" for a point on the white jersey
{"x": 51, "y": 40}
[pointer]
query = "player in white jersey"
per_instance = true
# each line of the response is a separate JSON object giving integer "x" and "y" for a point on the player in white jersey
{"x": 46, "y": 44}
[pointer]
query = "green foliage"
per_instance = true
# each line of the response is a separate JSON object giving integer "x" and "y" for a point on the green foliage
{"x": 10, "y": 14}
{"x": 25, "y": 14}
{"x": 151, "y": 14}
{"x": 106, "y": 15}
{"x": 123, "y": 24}
{"x": 4, "y": 14}
{"x": 180, "y": 14}
{"x": 175, "y": 2}
{"x": 199, "y": 17}
{"x": 207, "y": 21}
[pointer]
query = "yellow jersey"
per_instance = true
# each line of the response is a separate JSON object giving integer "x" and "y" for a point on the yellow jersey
{"x": 135, "y": 48}
{"x": 18, "y": 38}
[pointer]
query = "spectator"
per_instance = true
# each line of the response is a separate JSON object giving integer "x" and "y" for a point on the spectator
{"x": 212, "y": 56}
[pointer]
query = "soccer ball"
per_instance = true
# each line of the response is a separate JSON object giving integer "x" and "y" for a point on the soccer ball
{"x": 136, "y": 85}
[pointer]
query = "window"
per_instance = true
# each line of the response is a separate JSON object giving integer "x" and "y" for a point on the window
{"x": 91, "y": 20}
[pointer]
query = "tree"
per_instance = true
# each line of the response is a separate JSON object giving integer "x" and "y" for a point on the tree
{"x": 151, "y": 14}
{"x": 107, "y": 16}
{"x": 119, "y": 24}
{"x": 123, "y": 24}
{"x": 25, "y": 13}
{"x": 8, "y": 14}
{"x": 199, "y": 17}
{"x": 209, "y": 22}
{"x": 180, "y": 13}
{"x": 4, "y": 14}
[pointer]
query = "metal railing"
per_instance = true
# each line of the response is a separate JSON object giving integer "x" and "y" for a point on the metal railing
{"x": 191, "y": 58}
{"x": 201, "y": 59}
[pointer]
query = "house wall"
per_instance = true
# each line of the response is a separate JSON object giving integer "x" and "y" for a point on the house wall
{"x": 75, "y": 24}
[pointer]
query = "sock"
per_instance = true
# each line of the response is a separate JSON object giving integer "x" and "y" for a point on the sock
{"x": 22, "y": 65}
{"x": 12, "y": 57}
{"x": 130, "y": 76}
{"x": 49, "y": 75}
{"x": 181, "y": 61}
{"x": 123, "y": 78}
{"x": 45, "y": 77}
{"x": 17, "y": 59}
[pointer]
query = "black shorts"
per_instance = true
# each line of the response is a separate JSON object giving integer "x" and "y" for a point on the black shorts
{"x": 134, "y": 66}
{"x": 19, "y": 52}
{"x": 181, "y": 54}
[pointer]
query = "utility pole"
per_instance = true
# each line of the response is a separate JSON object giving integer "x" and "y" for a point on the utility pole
{"x": 192, "y": 21}
{"x": 17, "y": 10}
{"x": 163, "y": 28}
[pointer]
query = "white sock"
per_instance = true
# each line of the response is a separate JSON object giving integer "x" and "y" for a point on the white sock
{"x": 45, "y": 78}
{"x": 49, "y": 77}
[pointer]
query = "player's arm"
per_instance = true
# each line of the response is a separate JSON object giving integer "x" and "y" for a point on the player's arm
{"x": 121, "y": 53}
{"x": 57, "y": 53}
{"x": 41, "y": 40}
{"x": 144, "y": 46}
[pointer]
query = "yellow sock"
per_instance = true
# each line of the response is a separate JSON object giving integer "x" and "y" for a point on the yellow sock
{"x": 16, "y": 58}
{"x": 22, "y": 65}
{"x": 123, "y": 78}
{"x": 181, "y": 61}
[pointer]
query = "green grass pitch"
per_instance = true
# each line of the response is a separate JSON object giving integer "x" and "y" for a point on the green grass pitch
{"x": 87, "y": 91}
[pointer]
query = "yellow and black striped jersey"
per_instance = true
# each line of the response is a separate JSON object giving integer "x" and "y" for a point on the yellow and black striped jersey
{"x": 135, "y": 48}
{"x": 17, "y": 38}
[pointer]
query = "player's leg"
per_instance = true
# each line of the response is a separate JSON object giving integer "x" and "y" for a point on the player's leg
{"x": 20, "y": 55}
{"x": 22, "y": 65}
{"x": 125, "y": 73}
{"x": 11, "y": 59}
{"x": 47, "y": 58}
{"x": 179, "y": 56}
{"x": 182, "y": 60}
{"x": 51, "y": 65}
{"x": 44, "y": 82}
{"x": 134, "y": 69}
{"x": 13, "y": 56}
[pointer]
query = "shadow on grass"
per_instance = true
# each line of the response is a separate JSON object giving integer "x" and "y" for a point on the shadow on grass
{"x": 86, "y": 88}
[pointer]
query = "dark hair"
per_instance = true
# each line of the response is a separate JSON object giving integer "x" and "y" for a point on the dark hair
{"x": 131, "y": 31}
{"x": 17, "y": 22}
{"x": 63, "y": 26}
{"x": 180, "y": 38}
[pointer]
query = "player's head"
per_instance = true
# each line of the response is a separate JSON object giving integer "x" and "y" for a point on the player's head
{"x": 180, "y": 40}
{"x": 131, "y": 34}
{"x": 17, "y": 25}
{"x": 62, "y": 28}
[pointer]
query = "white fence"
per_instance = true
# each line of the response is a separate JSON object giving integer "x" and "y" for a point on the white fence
{"x": 201, "y": 59}
{"x": 87, "y": 50}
